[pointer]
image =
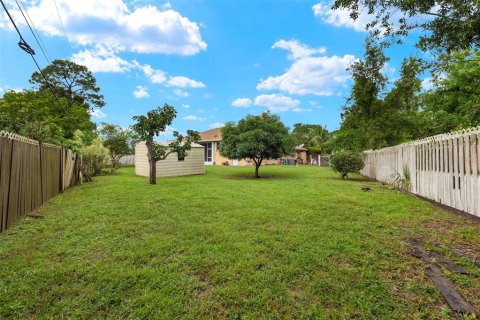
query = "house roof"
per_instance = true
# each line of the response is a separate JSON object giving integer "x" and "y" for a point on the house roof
{"x": 211, "y": 135}
{"x": 301, "y": 148}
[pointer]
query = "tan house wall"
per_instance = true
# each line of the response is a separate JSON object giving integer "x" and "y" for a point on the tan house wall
{"x": 170, "y": 167}
{"x": 219, "y": 160}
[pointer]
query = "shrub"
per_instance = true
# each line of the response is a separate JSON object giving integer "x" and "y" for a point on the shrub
{"x": 346, "y": 162}
{"x": 94, "y": 157}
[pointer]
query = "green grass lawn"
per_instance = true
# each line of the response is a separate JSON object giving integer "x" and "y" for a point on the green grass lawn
{"x": 298, "y": 243}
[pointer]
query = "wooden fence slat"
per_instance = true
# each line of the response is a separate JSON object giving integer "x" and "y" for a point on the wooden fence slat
{"x": 30, "y": 174}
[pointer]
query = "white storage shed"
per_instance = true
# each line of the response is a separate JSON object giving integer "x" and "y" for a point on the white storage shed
{"x": 171, "y": 167}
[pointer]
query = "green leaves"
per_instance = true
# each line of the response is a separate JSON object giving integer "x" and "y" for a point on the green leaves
{"x": 346, "y": 162}
{"x": 374, "y": 118}
{"x": 445, "y": 25}
{"x": 155, "y": 122}
{"x": 71, "y": 81}
{"x": 454, "y": 101}
{"x": 257, "y": 138}
{"x": 41, "y": 116}
{"x": 117, "y": 140}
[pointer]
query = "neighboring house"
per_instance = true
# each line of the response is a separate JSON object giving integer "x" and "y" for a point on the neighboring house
{"x": 172, "y": 166}
{"x": 211, "y": 140}
{"x": 301, "y": 154}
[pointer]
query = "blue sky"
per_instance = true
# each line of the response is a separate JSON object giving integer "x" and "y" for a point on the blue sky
{"x": 215, "y": 61}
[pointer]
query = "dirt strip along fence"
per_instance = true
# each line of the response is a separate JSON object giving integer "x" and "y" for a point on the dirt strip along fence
{"x": 444, "y": 168}
{"x": 31, "y": 174}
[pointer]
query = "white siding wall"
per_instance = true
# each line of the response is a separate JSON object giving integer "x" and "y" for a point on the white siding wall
{"x": 170, "y": 167}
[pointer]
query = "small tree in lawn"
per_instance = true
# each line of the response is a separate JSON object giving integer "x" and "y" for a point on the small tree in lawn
{"x": 346, "y": 162}
{"x": 155, "y": 122}
{"x": 258, "y": 138}
{"x": 117, "y": 141}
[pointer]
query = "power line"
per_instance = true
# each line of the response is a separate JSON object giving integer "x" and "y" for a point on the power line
{"x": 25, "y": 47}
{"x": 35, "y": 29}
{"x": 60, "y": 18}
{"x": 33, "y": 32}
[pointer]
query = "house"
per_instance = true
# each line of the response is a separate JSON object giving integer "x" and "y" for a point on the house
{"x": 211, "y": 140}
{"x": 172, "y": 166}
{"x": 301, "y": 154}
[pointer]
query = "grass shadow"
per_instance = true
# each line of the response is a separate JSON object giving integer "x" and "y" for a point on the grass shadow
{"x": 265, "y": 176}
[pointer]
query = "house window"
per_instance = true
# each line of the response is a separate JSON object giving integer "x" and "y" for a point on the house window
{"x": 208, "y": 152}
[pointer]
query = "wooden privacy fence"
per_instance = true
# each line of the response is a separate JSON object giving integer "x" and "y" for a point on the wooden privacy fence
{"x": 30, "y": 175}
{"x": 444, "y": 168}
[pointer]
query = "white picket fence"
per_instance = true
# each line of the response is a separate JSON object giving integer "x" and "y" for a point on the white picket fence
{"x": 444, "y": 168}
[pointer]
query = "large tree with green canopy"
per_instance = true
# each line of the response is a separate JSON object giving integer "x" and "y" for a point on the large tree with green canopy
{"x": 257, "y": 138}
{"x": 41, "y": 116}
{"x": 71, "y": 81}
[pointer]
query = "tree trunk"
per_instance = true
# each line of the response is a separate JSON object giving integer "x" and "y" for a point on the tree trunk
{"x": 153, "y": 172}
{"x": 257, "y": 166}
{"x": 151, "y": 162}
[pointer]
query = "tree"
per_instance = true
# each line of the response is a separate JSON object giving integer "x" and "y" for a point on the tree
{"x": 446, "y": 25}
{"x": 151, "y": 125}
{"x": 40, "y": 116}
{"x": 258, "y": 138}
{"x": 374, "y": 117}
{"x": 94, "y": 156}
{"x": 312, "y": 136}
{"x": 364, "y": 104}
{"x": 346, "y": 162}
{"x": 453, "y": 103}
{"x": 71, "y": 81}
{"x": 117, "y": 141}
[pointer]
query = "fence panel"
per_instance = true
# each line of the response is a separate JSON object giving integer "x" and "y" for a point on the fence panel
{"x": 31, "y": 174}
{"x": 444, "y": 168}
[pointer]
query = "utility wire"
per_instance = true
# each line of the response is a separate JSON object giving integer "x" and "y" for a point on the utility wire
{"x": 60, "y": 18}
{"x": 33, "y": 32}
{"x": 25, "y": 47}
{"x": 35, "y": 29}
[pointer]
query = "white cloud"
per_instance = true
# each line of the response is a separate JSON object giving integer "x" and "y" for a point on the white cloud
{"x": 341, "y": 17}
{"x": 215, "y": 109}
{"x": 309, "y": 73}
{"x": 256, "y": 65}
{"x": 181, "y": 93}
{"x": 141, "y": 92}
{"x": 145, "y": 29}
{"x": 242, "y": 102}
{"x": 194, "y": 118}
{"x": 155, "y": 75}
{"x": 216, "y": 125}
{"x": 427, "y": 84}
{"x": 277, "y": 103}
{"x": 97, "y": 113}
{"x": 168, "y": 132}
{"x": 101, "y": 59}
{"x": 185, "y": 106}
{"x": 297, "y": 49}
{"x": 184, "y": 82}
{"x": 320, "y": 76}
